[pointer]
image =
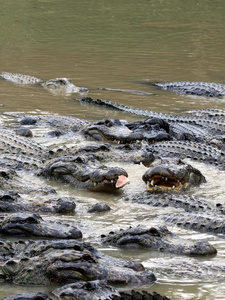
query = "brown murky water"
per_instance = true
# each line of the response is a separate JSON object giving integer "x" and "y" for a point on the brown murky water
{"x": 116, "y": 44}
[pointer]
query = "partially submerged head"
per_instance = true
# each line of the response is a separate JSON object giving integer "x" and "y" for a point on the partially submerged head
{"x": 172, "y": 176}
{"x": 63, "y": 84}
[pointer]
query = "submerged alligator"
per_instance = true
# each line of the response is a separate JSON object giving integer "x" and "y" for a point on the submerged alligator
{"x": 210, "y": 125}
{"x": 14, "y": 202}
{"x": 158, "y": 238}
{"x": 100, "y": 290}
{"x": 55, "y": 84}
{"x": 90, "y": 290}
{"x": 178, "y": 268}
{"x": 205, "y": 89}
{"x": 23, "y": 224}
{"x": 66, "y": 261}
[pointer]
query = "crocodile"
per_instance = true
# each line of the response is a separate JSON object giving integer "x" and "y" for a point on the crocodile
{"x": 195, "y": 88}
{"x": 172, "y": 176}
{"x": 13, "y": 202}
{"x": 158, "y": 238}
{"x": 28, "y": 224}
{"x": 83, "y": 172}
{"x": 100, "y": 290}
{"x": 66, "y": 261}
{"x": 55, "y": 84}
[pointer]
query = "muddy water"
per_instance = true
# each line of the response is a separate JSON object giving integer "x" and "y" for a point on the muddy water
{"x": 116, "y": 44}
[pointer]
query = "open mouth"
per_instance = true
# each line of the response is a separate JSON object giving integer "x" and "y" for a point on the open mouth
{"x": 107, "y": 184}
{"x": 160, "y": 183}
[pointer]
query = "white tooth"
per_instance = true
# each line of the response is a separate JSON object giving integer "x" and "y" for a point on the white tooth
{"x": 152, "y": 182}
{"x": 95, "y": 183}
{"x": 118, "y": 142}
{"x": 112, "y": 181}
{"x": 173, "y": 187}
{"x": 162, "y": 177}
{"x": 147, "y": 184}
{"x": 166, "y": 178}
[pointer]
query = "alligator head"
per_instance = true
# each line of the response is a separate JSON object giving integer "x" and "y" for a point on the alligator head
{"x": 69, "y": 261}
{"x": 63, "y": 84}
{"x": 81, "y": 172}
{"x": 119, "y": 131}
{"x": 172, "y": 176}
{"x": 159, "y": 238}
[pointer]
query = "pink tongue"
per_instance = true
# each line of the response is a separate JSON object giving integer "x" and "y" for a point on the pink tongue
{"x": 122, "y": 181}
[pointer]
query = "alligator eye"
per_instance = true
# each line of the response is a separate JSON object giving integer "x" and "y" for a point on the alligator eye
{"x": 61, "y": 81}
{"x": 79, "y": 160}
{"x": 153, "y": 231}
{"x": 108, "y": 123}
{"x": 4, "y": 174}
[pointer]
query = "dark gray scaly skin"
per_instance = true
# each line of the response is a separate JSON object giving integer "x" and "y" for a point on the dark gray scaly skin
{"x": 208, "y": 112}
{"x": 90, "y": 290}
{"x": 11, "y": 180}
{"x": 172, "y": 176}
{"x": 28, "y": 296}
{"x": 11, "y": 143}
{"x": 81, "y": 172}
{"x": 158, "y": 238}
{"x": 204, "y": 270}
{"x": 25, "y": 224}
{"x": 55, "y": 84}
{"x": 202, "y": 222}
{"x": 66, "y": 261}
{"x": 13, "y": 202}
{"x": 136, "y": 295}
{"x": 213, "y": 125}
{"x": 205, "y": 89}
{"x": 192, "y": 150}
{"x": 181, "y": 201}
{"x": 119, "y": 131}
{"x": 100, "y": 290}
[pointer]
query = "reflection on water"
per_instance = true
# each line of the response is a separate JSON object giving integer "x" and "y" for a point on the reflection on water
{"x": 113, "y": 44}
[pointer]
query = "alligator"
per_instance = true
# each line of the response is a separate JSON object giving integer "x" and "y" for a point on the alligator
{"x": 27, "y": 224}
{"x": 188, "y": 203}
{"x": 83, "y": 172}
{"x": 66, "y": 261}
{"x": 13, "y": 202}
{"x": 191, "y": 268}
{"x": 207, "y": 112}
{"x": 87, "y": 290}
{"x": 119, "y": 131}
{"x": 11, "y": 143}
{"x": 100, "y": 290}
{"x": 28, "y": 296}
{"x": 201, "y": 222}
{"x": 158, "y": 238}
{"x": 205, "y": 89}
{"x": 80, "y": 171}
{"x": 213, "y": 125}
{"x": 195, "y": 151}
{"x": 172, "y": 176}
{"x": 55, "y": 84}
